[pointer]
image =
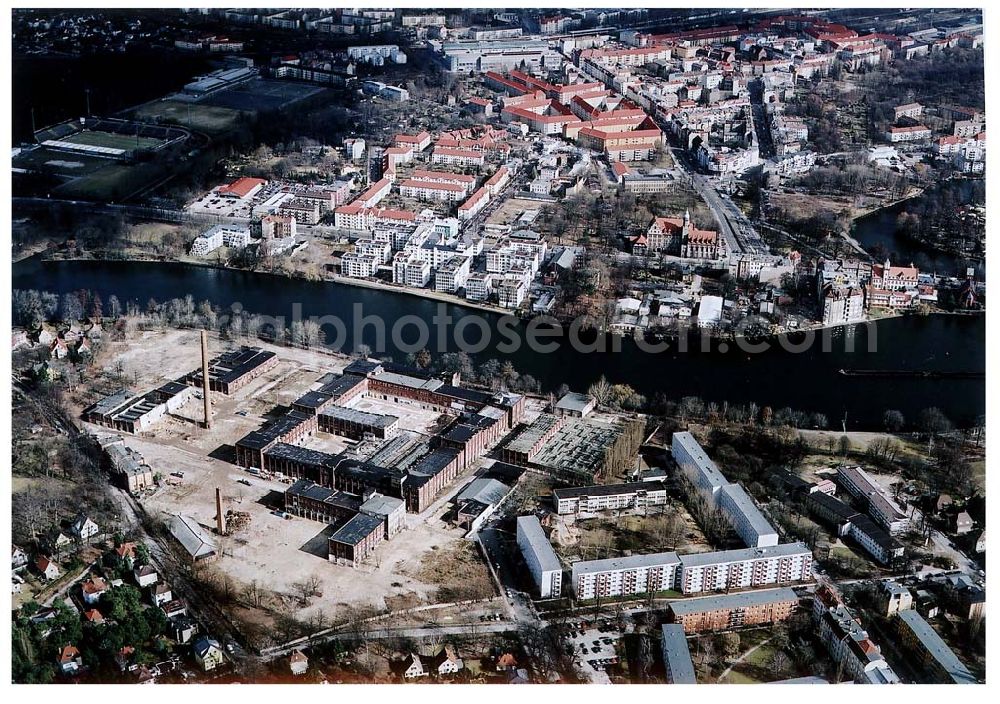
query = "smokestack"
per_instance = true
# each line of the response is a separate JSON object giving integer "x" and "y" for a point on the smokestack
{"x": 205, "y": 384}
{"x": 220, "y": 518}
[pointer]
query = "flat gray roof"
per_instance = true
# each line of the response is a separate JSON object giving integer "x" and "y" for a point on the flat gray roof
{"x": 749, "y": 509}
{"x": 381, "y": 505}
{"x": 722, "y": 556}
{"x": 937, "y": 648}
{"x": 677, "y": 655}
{"x": 357, "y": 529}
{"x": 575, "y": 402}
{"x": 531, "y": 529}
{"x": 606, "y": 490}
{"x": 705, "y": 465}
{"x": 626, "y": 563}
{"x": 739, "y": 600}
{"x": 486, "y": 491}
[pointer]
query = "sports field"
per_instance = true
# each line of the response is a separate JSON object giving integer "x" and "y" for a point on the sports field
{"x": 112, "y": 141}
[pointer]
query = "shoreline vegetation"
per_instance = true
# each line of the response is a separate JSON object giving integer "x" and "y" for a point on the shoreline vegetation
{"x": 450, "y": 299}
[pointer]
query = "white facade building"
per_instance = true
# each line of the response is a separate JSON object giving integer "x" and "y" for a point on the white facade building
{"x": 539, "y": 556}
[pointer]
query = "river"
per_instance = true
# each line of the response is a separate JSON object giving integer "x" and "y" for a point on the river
{"x": 807, "y": 380}
{"x": 878, "y": 230}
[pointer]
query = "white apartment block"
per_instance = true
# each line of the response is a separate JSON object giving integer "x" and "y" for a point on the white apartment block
{"x": 879, "y": 504}
{"x": 220, "y": 236}
{"x": 843, "y": 305}
{"x": 410, "y": 271}
{"x": 358, "y": 266}
{"x": 746, "y": 568}
{"x": 451, "y": 275}
{"x": 432, "y": 190}
{"x": 916, "y": 133}
{"x": 693, "y": 574}
{"x": 746, "y": 519}
{"x": 608, "y": 497}
{"x": 539, "y": 556}
{"x": 511, "y": 292}
{"x": 479, "y": 286}
{"x": 696, "y": 465}
{"x": 623, "y": 576}
{"x": 457, "y": 157}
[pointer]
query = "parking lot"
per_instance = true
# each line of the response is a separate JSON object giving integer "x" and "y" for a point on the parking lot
{"x": 594, "y": 649}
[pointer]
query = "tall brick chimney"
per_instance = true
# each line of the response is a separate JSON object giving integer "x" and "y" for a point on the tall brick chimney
{"x": 204, "y": 379}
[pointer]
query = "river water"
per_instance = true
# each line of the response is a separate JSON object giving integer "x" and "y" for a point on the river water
{"x": 808, "y": 380}
{"x": 878, "y": 230}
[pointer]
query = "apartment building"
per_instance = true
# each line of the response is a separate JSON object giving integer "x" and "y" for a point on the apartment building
{"x": 843, "y": 305}
{"x": 418, "y": 142}
{"x": 541, "y": 559}
{"x": 233, "y": 236}
{"x": 896, "y": 135}
{"x": 849, "y": 644}
{"x": 745, "y": 518}
{"x": 511, "y": 292}
{"x": 358, "y": 266}
{"x": 912, "y": 110}
{"x": 457, "y": 157}
{"x": 479, "y": 286}
{"x": 691, "y": 459}
{"x": 746, "y": 568}
{"x": 878, "y": 503}
{"x": 725, "y": 612}
{"x": 410, "y": 270}
{"x": 475, "y": 203}
{"x": 935, "y": 661}
{"x": 432, "y": 190}
{"x": 608, "y": 497}
{"x": 624, "y": 576}
{"x": 451, "y": 275}
{"x": 676, "y": 655}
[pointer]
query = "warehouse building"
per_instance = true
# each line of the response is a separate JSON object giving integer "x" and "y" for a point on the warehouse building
{"x": 231, "y": 371}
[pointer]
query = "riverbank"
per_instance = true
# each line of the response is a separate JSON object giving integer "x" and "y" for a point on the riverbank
{"x": 294, "y": 275}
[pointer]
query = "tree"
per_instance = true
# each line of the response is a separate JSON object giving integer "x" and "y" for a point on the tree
{"x": 114, "y": 307}
{"x": 893, "y": 420}
{"x": 844, "y": 445}
{"x": 70, "y": 309}
{"x": 730, "y": 645}
{"x": 601, "y": 391}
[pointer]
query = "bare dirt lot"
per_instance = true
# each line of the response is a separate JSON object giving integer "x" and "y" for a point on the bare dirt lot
{"x": 274, "y": 552}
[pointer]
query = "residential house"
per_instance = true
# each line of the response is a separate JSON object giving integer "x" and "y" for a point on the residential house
{"x": 414, "y": 668}
{"x": 47, "y": 568}
{"x": 125, "y": 555}
{"x": 207, "y": 653}
{"x": 185, "y": 628}
{"x": 506, "y": 662}
{"x": 161, "y": 594}
{"x": 18, "y": 558}
{"x": 93, "y": 616}
{"x": 70, "y": 661}
{"x": 449, "y": 663}
{"x": 963, "y": 523}
{"x": 173, "y": 608}
{"x": 298, "y": 663}
{"x": 84, "y": 528}
{"x": 93, "y": 589}
{"x": 145, "y": 576}
{"x": 57, "y": 541}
